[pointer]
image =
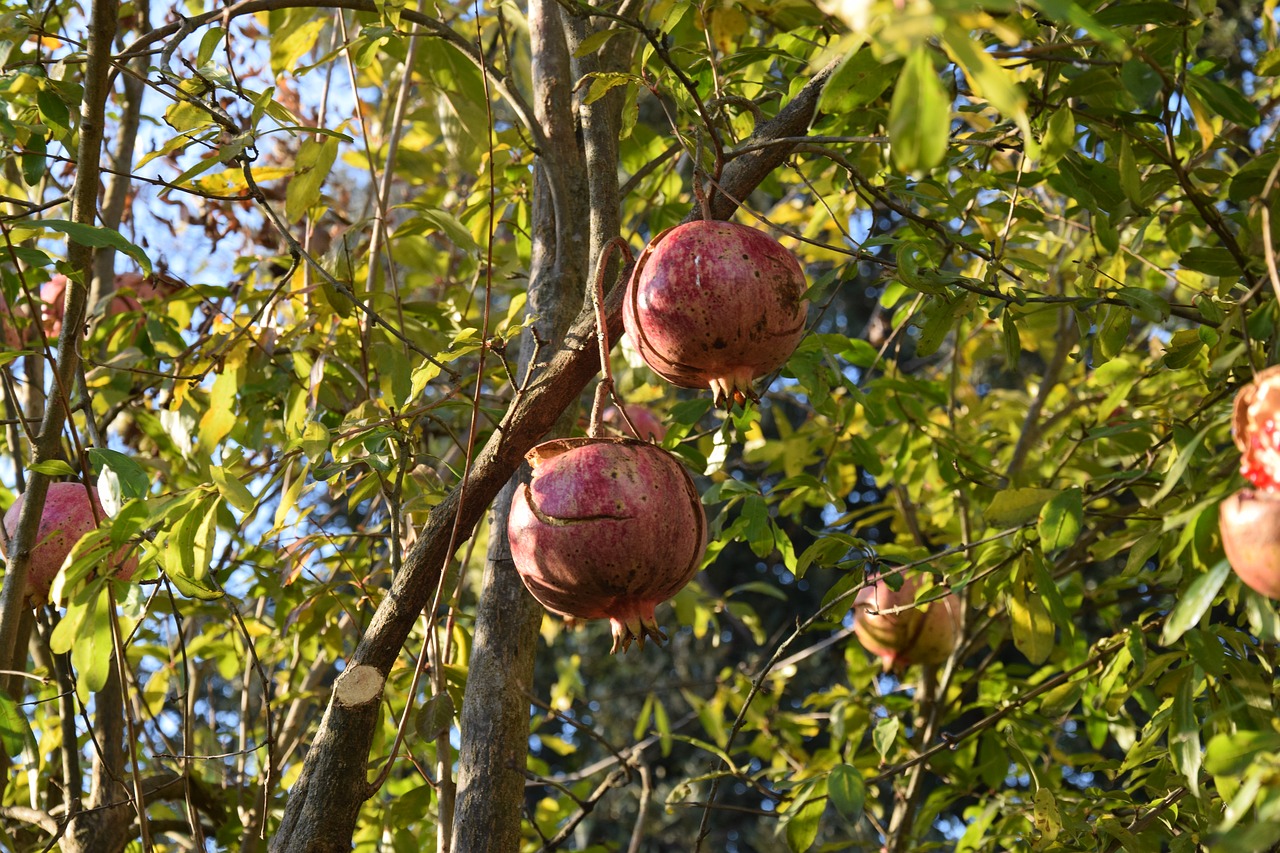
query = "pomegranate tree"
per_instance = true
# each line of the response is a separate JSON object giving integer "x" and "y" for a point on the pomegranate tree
{"x": 716, "y": 304}
{"x": 890, "y": 626}
{"x": 608, "y": 528}
{"x": 67, "y": 516}
{"x": 1250, "y": 519}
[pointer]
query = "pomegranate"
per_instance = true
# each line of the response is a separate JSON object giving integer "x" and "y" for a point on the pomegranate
{"x": 67, "y": 516}
{"x": 10, "y": 335}
{"x": 642, "y": 418}
{"x": 1253, "y": 426}
{"x": 1250, "y": 524}
{"x": 926, "y": 634}
{"x": 133, "y": 289}
{"x": 716, "y": 304}
{"x": 608, "y": 528}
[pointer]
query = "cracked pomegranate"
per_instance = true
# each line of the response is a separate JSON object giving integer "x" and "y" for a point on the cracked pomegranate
{"x": 718, "y": 305}
{"x": 1249, "y": 520}
{"x": 925, "y": 634}
{"x": 608, "y": 528}
{"x": 67, "y": 516}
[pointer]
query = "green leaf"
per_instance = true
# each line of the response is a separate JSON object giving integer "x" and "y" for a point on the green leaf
{"x": 15, "y": 731}
{"x": 1210, "y": 260}
{"x": 885, "y": 735}
{"x": 603, "y": 82}
{"x": 315, "y": 160}
{"x": 1060, "y": 521}
{"x": 1149, "y": 306}
{"x": 1033, "y": 629}
{"x": 232, "y": 489}
{"x": 988, "y": 79}
{"x": 435, "y": 717}
{"x": 1194, "y": 603}
{"x": 919, "y": 116}
{"x": 134, "y": 482}
{"x": 220, "y": 418}
{"x": 91, "y": 653}
{"x": 97, "y": 238}
{"x": 1184, "y": 732}
{"x": 1229, "y": 754}
{"x": 847, "y": 791}
{"x": 860, "y": 79}
{"x": 803, "y": 820}
{"x": 53, "y": 468}
{"x": 1225, "y": 101}
{"x": 594, "y": 42}
{"x": 1013, "y": 507}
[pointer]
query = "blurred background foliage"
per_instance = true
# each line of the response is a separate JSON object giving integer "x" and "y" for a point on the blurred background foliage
{"x": 1037, "y": 238}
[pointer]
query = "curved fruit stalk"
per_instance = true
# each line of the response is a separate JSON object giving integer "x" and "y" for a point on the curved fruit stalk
{"x": 716, "y": 304}
{"x": 67, "y": 516}
{"x": 607, "y": 528}
{"x": 1250, "y": 525}
{"x": 926, "y": 634}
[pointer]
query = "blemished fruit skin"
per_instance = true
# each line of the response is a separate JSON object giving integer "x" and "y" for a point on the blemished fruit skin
{"x": 67, "y": 516}
{"x": 607, "y": 528}
{"x": 926, "y": 634}
{"x": 718, "y": 305}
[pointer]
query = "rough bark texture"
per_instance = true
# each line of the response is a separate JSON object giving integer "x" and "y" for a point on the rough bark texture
{"x": 495, "y": 710}
{"x": 332, "y": 802}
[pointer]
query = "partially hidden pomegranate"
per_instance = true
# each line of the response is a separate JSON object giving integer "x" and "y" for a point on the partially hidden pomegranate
{"x": 649, "y": 426}
{"x": 608, "y": 528}
{"x": 925, "y": 634}
{"x": 67, "y": 516}
{"x": 1250, "y": 525}
{"x": 716, "y": 304}
{"x": 1250, "y": 519}
{"x": 131, "y": 289}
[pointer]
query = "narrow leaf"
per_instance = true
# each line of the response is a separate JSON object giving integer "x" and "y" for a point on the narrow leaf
{"x": 1194, "y": 603}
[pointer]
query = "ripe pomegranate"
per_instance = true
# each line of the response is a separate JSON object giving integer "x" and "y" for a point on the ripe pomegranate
{"x": 642, "y": 418}
{"x": 926, "y": 634}
{"x": 716, "y": 304}
{"x": 67, "y": 516}
{"x": 608, "y": 528}
{"x": 1253, "y": 426}
{"x": 1250, "y": 524}
{"x": 132, "y": 290}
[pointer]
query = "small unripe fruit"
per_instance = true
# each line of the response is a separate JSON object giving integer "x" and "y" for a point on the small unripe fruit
{"x": 646, "y": 423}
{"x": 67, "y": 516}
{"x": 925, "y": 634}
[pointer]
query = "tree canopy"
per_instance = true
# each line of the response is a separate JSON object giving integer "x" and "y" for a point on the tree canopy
{"x": 297, "y": 285}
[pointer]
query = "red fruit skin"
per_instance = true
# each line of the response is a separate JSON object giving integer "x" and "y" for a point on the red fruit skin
{"x": 66, "y": 518}
{"x": 927, "y": 634}
{"x": 10, "y": 335}
{"x": 607, "y": 529}
{"x": 642, "y": 418}
{"x": 1250, "y": 524}
{"x": 716, "y": 304}
{"x": 53, "y": 294}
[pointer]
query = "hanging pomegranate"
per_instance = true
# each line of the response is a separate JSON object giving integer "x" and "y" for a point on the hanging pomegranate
{"x": 716, "y": 304}
{"x": 66, "y": 517}
{"x": 1250, "y": 519}
{"x": 645, "y": 422}
{"x": 925, "y": 634}
{"x": 608, "y": 528}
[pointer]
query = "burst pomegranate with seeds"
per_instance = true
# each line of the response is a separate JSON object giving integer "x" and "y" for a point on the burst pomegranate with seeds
{"x": 892, "y": 627}
{"x": 607, "y": 528}
{"x": 1249, "y": 520}
{"x": 716, "y": 304}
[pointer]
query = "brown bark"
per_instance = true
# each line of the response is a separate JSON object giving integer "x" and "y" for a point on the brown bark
{"x": 495, "y": 710}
